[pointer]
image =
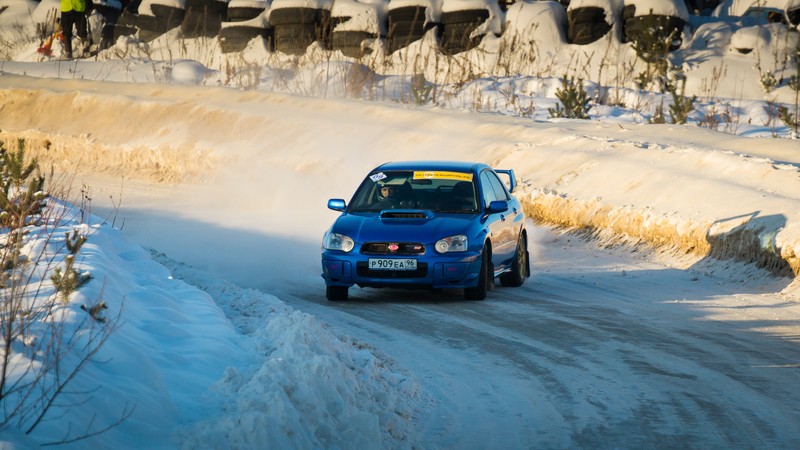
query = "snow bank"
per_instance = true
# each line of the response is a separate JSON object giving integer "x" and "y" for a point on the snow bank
{"x": 308, "y": 388}
{"x": 369, "y": 16}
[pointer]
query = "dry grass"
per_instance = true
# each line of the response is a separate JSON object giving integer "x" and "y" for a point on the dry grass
{"x": 82, "y": 155}
{"x": 616, "y": 225}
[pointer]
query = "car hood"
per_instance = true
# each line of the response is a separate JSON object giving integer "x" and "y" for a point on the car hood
{"x": 403, "y": 226}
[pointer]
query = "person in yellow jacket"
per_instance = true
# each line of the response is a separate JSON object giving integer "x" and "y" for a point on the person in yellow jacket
{"x": 73, "y": 14}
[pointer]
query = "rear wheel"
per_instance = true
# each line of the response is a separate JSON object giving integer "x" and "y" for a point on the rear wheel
{"x": 336, "y": 293}
{"x": 519, "y": 270}
{"x": 479, "y": 292}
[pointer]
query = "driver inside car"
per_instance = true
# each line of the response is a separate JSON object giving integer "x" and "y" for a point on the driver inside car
{"x": 394, "y": 196}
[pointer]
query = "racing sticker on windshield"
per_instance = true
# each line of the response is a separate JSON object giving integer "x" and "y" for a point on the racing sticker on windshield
{"x": 441, "y": 175}
{"x": 376, "y": 177}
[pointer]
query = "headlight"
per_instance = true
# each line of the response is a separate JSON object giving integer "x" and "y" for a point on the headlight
{"x": 336, "y": 241}
{"x": 458, "y": 243}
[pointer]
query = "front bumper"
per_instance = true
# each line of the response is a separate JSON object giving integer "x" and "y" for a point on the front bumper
{"x": 454, "y": 270}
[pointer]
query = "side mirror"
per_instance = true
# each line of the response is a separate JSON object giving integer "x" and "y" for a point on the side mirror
{"x": 497, "y": 206}
{"x": 337, "y": 204}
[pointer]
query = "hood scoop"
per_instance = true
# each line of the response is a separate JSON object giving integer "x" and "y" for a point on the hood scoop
{"x": 405, "y": 214}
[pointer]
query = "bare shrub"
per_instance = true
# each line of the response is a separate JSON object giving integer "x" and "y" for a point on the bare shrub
{"x": 44, "y": 344}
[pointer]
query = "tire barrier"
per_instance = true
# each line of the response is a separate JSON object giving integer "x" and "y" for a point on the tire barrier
{"x": 291, "y": 30}
{"x": 243, "y": 13}
{"x": 235, "y": 38}
{"x": 297, "y": 28}
{"x": 457, "y": 28}
{"x": 242, "y": 27}
{"x": 203, "y": 18}
{"x": 407, "y": 25}
{"x": 350, "y": 43}
{"x": 586, "y": 25}
{"x": 655, "y": 27}
{"x": 169, "y": 17}
{"x": 651, "y": 27}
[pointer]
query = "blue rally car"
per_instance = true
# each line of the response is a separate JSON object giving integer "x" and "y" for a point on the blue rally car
{"x": 432, "y": 224}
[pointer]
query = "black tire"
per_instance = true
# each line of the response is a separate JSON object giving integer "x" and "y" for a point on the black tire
{"x": 292, "y": 16}
{"x": 294, "y": 39}
{"x": 406, "y": 25}
{"x": 132, "y": 6}
{"x": 794, "y": 16}
{"x": 336, "y": 293}
{"x": 235, "y": 38}
{"x": 148, "y": 35}
{"x": 474, "y": 16}
{"x": 411, "y": 14}
{"x": 402, "y": 34}
{"x": 643, "y": 27}
{"x": 349, "y": 42}
{"x": 172, "y": 16}
{"x": 520, "y": 267}
{"x": 479, "y": 292}
{"x": 117, "y": 31}
{"x": 203, "y": 18}
{"x": 628, "y": 11}
{"x": 152, "y": 23}
{"x": 586, "y": 25}
{"x": 240, "y": 14}
{"x": 457, "y": 27}
{"x": 145, "y": 27}
{"x": 127, "y": 19}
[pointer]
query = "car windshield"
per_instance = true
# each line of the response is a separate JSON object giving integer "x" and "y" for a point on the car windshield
{"x": 435, "y": 190}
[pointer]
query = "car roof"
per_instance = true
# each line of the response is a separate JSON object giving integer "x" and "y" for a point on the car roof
{"x": 457, "y": 166}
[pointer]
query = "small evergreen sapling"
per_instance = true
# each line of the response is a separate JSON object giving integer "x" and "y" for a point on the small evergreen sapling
{"x": 681, "y": 105}
{"x": 420, "y": 89}
{"x": 69, "y": 280}
{"x": 574, "y": 100}
{"x": 21, "y": 193}
{"x": 792, "y": 120}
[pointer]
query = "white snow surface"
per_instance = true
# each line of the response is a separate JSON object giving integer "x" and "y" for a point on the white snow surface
{"x": 369, "y": 15}
{"x": 145, "y": 5}
{"x": 223, "y": 192}
{"x": 674, "y": 8}
{"x": 313, "y": 4}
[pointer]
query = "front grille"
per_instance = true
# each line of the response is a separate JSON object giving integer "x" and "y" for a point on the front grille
{"x": 382, "y": 248}
{"x": 363, "y": 270}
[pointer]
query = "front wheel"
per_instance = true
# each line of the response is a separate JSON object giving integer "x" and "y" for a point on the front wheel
{"x": 519, "y": 270}
{"x": 479, "y": 292}
{"x": 336, "y": 293}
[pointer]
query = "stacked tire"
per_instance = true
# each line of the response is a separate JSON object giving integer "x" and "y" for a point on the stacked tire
{"x": 297, "y": 28}
{"x": 356, "y": 25}
{"x": 247, "y": 20}
{"x": 350, "y": 42}
{"x": 161, "y": 18}
{"x": 406, "y": 25}
{"x": 588, "y": 24}
{"x": 463, "y": 29}
{"x": 203, "y": 18}
{"x": 641, "y": 28}
{"x": 457, "y": 28}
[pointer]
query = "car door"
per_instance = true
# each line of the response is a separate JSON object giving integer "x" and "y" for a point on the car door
{"x": 501, "y": 226}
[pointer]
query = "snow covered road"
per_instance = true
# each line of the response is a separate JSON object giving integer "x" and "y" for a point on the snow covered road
{"x": 597, "y": 350}
{"x": 601, "y": 348}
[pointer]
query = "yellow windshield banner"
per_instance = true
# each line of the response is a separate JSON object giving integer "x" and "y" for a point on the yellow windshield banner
{"x": 440, "y": 175}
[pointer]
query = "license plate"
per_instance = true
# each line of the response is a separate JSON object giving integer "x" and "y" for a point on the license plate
{"x": 392, "y": 264}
